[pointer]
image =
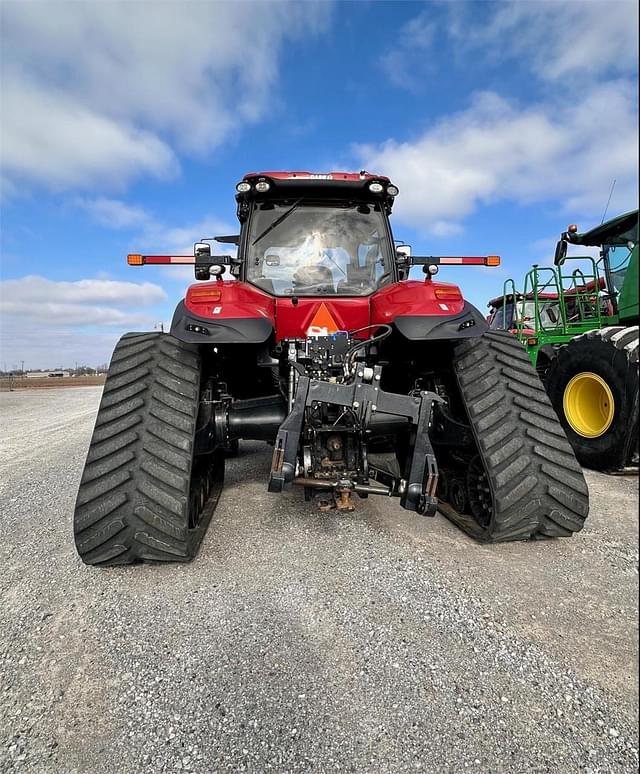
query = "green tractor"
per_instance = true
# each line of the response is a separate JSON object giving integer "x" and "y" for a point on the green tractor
{"x": 580, "y": 328}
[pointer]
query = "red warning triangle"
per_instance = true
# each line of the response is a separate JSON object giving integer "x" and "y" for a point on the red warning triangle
{"x": 322, "y": 323}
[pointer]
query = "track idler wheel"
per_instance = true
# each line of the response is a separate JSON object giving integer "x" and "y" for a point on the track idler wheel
{"x": 479, "y": 492}
{"x": 458, "y": 494}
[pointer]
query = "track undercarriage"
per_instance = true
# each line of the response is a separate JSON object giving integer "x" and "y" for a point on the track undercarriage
{"x": 336, "y": 433}
{"x": 364, "y": 381}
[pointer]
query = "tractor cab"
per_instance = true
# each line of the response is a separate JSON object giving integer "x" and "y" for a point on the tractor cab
{"x": 309, "y": 235}
{"x": 509, "y": 312}
{"x": 617, "y": 263}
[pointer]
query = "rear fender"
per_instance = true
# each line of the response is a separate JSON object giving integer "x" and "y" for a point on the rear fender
{"x": 427, "y": 310}
{"x": 224, "y": 313}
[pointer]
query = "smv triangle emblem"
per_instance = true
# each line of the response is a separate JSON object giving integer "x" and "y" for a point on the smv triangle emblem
{"x": 323, "y": 323}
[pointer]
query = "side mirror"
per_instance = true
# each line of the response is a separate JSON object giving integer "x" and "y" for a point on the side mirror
{"x": 404, "y": 250}
{"x": 561, "y": 253}
{"x": 207, "y": 265}
{"x": 202, "y": 250}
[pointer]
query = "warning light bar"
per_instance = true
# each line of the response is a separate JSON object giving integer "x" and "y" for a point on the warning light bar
{"x": 134, "y": 259}
{"x": 458, "y": 260}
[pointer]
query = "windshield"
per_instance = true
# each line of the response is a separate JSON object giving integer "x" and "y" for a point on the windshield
{"x": 311, "y": 250}
{"x": 502, "y": 320}
{"x": 619, "y": 261}
{"x": 525, "y": 315}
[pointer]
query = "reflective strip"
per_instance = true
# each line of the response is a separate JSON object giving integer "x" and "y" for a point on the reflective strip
{"x": 164, "y": 259}
{"x": 469, "y": 260}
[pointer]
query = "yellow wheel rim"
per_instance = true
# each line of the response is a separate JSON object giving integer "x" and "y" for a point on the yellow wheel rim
{"x": 588, "y": 405}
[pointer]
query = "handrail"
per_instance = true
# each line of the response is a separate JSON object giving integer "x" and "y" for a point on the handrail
{"x": 514, "y": 295}
{"x": 570, "y": 290}
{"x": 586, "y": 300}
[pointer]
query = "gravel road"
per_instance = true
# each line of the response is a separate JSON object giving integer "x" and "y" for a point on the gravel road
{"x": 306, "y": 642}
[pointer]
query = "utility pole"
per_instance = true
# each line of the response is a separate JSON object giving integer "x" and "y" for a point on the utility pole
{"x": 22, "y": 366}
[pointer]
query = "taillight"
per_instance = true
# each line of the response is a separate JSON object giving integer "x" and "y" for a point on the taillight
{"x": 205, "y": 295}
{"x": 448, "y": 294}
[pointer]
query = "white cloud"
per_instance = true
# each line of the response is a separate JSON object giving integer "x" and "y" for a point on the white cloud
{"x": 114, "y": 213}
{"x": 499, "y": 151}
{"x": 46, "y": 312}
{"x": 39, "y": 290}
{"x": 557, "y": 39}
{"x": 95, "y": 93}
{"x": 35, "y": 306}
{"x": 49, "y": 136}
{"x": 405, "y": 60}
{"x": 50, "y": 323}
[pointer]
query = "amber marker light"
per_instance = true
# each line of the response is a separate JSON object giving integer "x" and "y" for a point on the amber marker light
{"x": 205, "y": 294}
{"x": 493, "y": 260}
{"x": 446, "y": 294}
{"x": 133, "y": 259}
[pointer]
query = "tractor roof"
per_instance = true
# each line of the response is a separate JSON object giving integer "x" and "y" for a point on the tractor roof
{"x": 338, "y": 186}
{"x": 299, "y": 175}
{"x": 617, "y": 231}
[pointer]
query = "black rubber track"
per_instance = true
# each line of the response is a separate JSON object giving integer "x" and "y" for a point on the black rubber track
{"x": 537, "y": 486}
{"x": 133, "y": 502}
{"x": 612, "y": 353}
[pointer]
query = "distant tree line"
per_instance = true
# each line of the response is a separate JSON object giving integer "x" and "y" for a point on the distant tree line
{"x": 81, "y": 370}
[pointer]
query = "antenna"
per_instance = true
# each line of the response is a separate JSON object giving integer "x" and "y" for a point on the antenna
{"x": 604, "y": 214}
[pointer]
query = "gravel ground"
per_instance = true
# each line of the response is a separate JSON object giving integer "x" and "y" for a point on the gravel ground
{"x": 306, "y": 642}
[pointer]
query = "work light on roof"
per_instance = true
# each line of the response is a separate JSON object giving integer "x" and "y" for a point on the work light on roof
{"x": 243, "y": 187}
{"x": 262, "y": 186}
{"x": 375, "y": 187}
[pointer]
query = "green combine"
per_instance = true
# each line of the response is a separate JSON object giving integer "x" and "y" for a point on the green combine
{"x": 580, "y": 327}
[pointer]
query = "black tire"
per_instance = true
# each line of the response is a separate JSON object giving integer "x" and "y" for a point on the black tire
{"x": 140, "y": 495}
{"x": 612, "y": 354}
{"x": 535, "y": 483}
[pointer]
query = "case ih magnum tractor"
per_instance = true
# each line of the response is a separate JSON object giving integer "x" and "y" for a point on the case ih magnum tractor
{"x": 364, "y": 382}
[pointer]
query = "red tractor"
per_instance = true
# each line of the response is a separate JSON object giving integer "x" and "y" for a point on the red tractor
{"x": 364, "y": 382}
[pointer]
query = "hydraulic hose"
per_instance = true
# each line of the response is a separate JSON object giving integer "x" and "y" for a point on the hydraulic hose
{"x": 365, "y": 342}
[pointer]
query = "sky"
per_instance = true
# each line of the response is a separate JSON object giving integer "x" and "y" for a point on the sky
{"x": 126, "y": 125}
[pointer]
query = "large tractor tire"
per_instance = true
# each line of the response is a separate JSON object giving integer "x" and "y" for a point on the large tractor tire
{"x": 142, "y": 496}
{"x": 525, "y": 482}
{"x": 593, "y": 386}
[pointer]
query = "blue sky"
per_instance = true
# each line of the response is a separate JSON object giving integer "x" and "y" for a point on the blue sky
{"x": 125, "y": 126}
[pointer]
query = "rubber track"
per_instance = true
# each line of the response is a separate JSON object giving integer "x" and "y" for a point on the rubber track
{"x": 537, "y": 485}
{"x": 132, "y": 505}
